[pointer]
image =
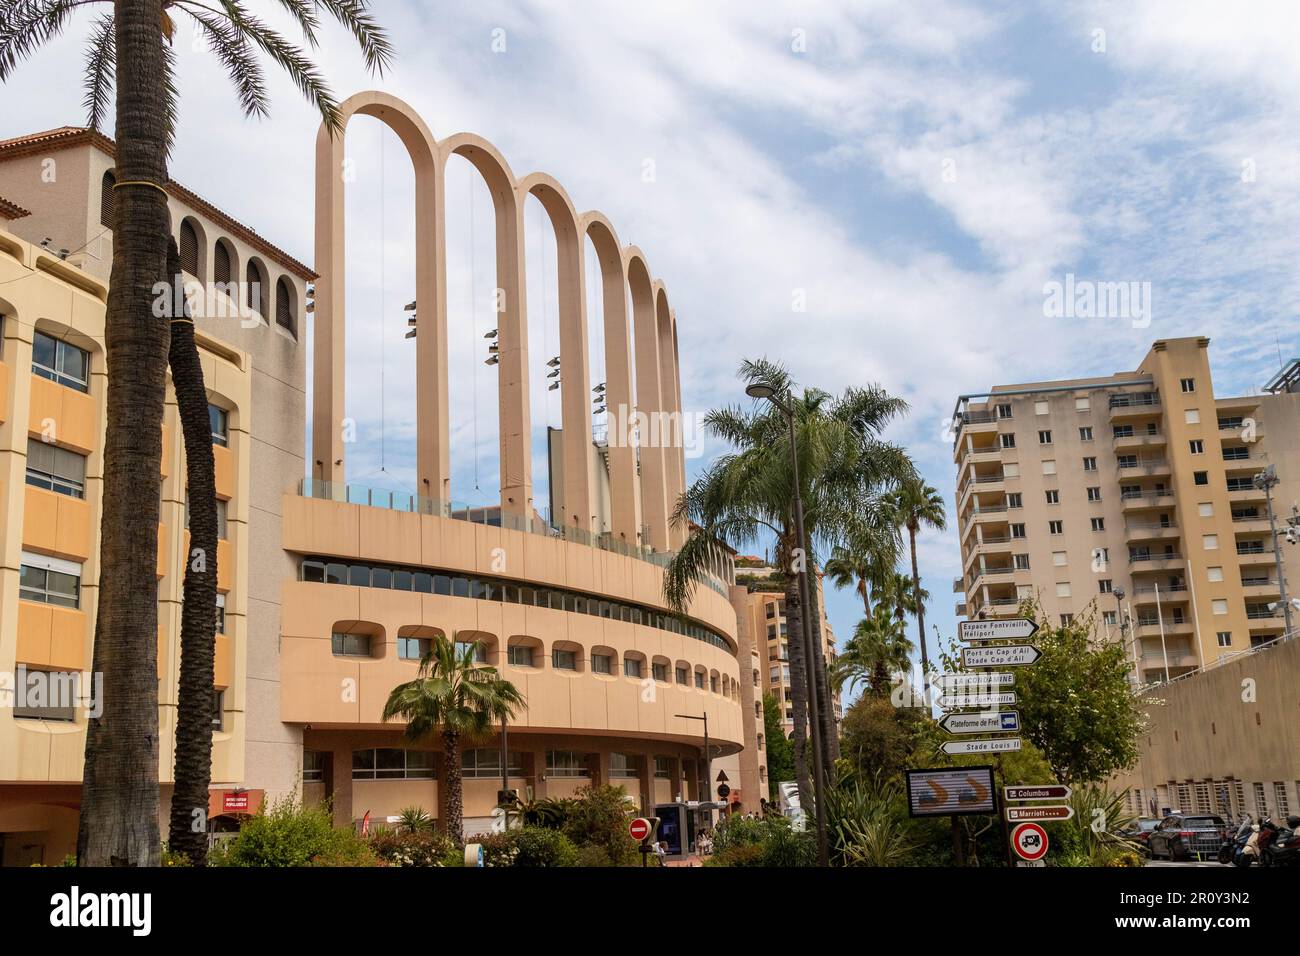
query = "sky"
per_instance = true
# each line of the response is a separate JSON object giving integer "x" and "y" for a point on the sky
{"x": 866, "y": 191}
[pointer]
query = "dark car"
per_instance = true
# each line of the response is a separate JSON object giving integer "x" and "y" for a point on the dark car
{"x": 1184, "y": 836}
{"x": 1140, "y": 829}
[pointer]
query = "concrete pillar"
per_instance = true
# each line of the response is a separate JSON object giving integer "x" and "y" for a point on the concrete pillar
{"x": 341, "y": 785}
{"x": 649, "y": 404}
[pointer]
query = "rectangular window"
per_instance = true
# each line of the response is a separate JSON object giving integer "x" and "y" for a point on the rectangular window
{"x": 664, "y": 767}
{"x": 520, "y": 655}
{"x": 1098, "y": 524}
{"x": 414, "y": 648}
{"x": 392, "y": 763}
{"x": 1224, "y": 638}
{"x": 1085, "y": 434}
{"x": 564, "y": 660}
{"x": 1007, "y": 440}
{"x": 350, "y": 645}
{"x": 602, "y": 664}
{"x": 631, "y": 667}
{"x": 565, "y": 763}
{"x": 60, "y": 362}
{"x": 1210, "y": 542}
{"x": 1121, "y": 431}
{"x": 219, "y": 421}
{"x": 1236, "y": 453}
{"x": 1188, "y": 385}
{"x": 1214, "y": 574}
{"x": 1067, "y": 620}
{"x": 1090, "y": 464}
{"x": 683, "y": 676}
{"x": 699, "y": 678}
{"x": 313, "y": 766}
{"x": 659, "y": 672}
{"x": 1192, "y": 416}
{"x": 1062, "y": 589}
{"x": 1109, "y": 618}
{"x": 1203, "y": 478}
{"x": 1219, "y": 606}
{"x": 484, "y": 763}
{"x": 47, "y": 695}
{"x": 56, "y": 469}
{"x": 1044, "y": 436}
{"x": 479, "y": 655}
{"x": 1104, "y": 585}
{"x": 1082, "y": 405}
{"x": 1205, "y": 509}
{"x": 1040, "y": 408}
{"x": 221, "y": 614}
{"x": 623, "y": 767}
{"x": 218, "y": 710}
{"x": 1059, "y": 559}
{"x": 1056, "y": 527}
{"x": 1004, "y": 411}
{"x": 1094, "y": 494}
{"x": 49, "y": 580}
{"x": 1127, "y": 461}
{"x": 1014, "y": 499}
{"x": 1197, "y": 446}
{"x": 1049, "y": 467}
{"x": 1020, "y": 561}
{"x": 1017, "y": 531}
{"x": 1053, "y": 496}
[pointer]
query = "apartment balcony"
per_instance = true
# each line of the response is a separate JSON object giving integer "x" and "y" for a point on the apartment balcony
{"x": 1144, "y": 563}
{"x": 1150, "y": 627}
{"x": 994, "y": 607}
{"x": 958, "y": 586}
{"x": 1251, "y": 524}
{"x": 1150, "y": 531}
{"x": 1138, "y": 442}
{"x": 1238, "y": 429}
{"x": 1264, "y": 621}
{"x": 981, "y": 484}
{"x": 1245, "y": 494}
{"x": 1001, "y": 574}
{"x": 986, "y": 514}
{"x": 976, "y": 423}
{"x": 1260, "y": 589}
{"x": 1166, "y": 594}
{"x": 979, "y": 455}
{"x": 1146, "y": 500}
{"x": 1237, "y": 466}
{"x": 960, "y": 609}
{"x": 1133, "y": 405}
{"x": 1144, "y": 468}
{"x": 1239, "y": 405}
{"x": 1254, "y": 557}
{"x": 999, "y": 544}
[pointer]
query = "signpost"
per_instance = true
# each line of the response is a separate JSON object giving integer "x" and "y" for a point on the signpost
{"x": 1001, "y": 722}
{"x": 639, "y": 829}
{"x": 990, "y": 745}
{"x": 1055, "y": 791}
{"x": 951, "y": 682}
{"x": 1029, "y": 840}
{"x": 1005, "y": 655}
{"x": 954, "y": 701}
{"x": 952, "y": 791}
{"x": 1005, "y": 629}
{"x": 1021, "y": 814}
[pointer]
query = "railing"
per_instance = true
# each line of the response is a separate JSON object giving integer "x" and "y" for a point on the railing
{"x": 1263, "y": 614}
{"x": 1172, "y": 556}
{"x": 1129, "y": 400}
{"x": 1147, "y": 463}
{"x": 978, "y": 418}
{"x": 489, "y": 516}
{"x": 1151, "y": 495}
{"x": 1150, "y": 526}
{"x": 981, "y": 572}
{"x": 1230, "y": 657}
{"x": 1164, "y": 590}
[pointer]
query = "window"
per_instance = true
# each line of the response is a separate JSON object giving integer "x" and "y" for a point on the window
{"x": 218, "y": 708}
{"x": 1197, "y": 446}
{"x": 565, "y": 763}
{"x": 189, "y": 248}
{"x": 313, "y": 766}
{"x": 1067, "y": 620}
{"x": 1014, "y": 499}
{"x": 699, "y": 677}
{"x": 1234, "y": 484}
{"x": 1214, "y": 574}
{"x": 479, "y": 648}
{"x": 392, "y": 763}
{"x": 664, "y": 767}
{"x": 1044, "y": 436}
{"x": 414, "y": 648}
{"x": 1219, "y": 605}
{"x": 219, "y": 421}
{"x": 350, "y": 645}
{"x": 1203, "y": 478}
{"x": 1210, "y": 542}
{"x": 564, "y": 660}
{"x": 631, "y": 667}
{"x": 221, "y": 614}
{"x": 1056, "y": 527}
{"x": 1020, "y": 562}
{"x": 1010, "y": 469}
{"x": 1083, "y": 405}
{"x": 1224, "y": 638}
{"x": 1205, "y": 509}
{"x": 107, "y": 199}
{"x": 1004, "y": 411}
{"x": 1094, "y": 494}
{"x": 520, "y": 655}
{"x": 1062, "y": 589}
{"x": 1127, "y": 461}
{"x": 1085, "y": 434}
{"x": 1007, "y": 441}
{"x": 623, "y": 767}
{"x": 1090, "y": 464}
{"x": 221, "y": 265}
{"x": 484, "y": 763}
{"x": 1104, "y": 585}
{"x": 256, "y": 287}
{"x": 284, "y": 306}
{"x": 1100, "y": 558}
{"x": 1017, "y": 531}
{"x": 602, "y": 664}
{"x": 55, "y": 469}
{"x": 49, "y": 580}
{"x": 1236, "y": 453}
{"x": 60, "y": 362}
{"x": 1049, "y": 467}
{"x": 659, "y": 672}
{"x": 1188, "y": 385}
{"x": 1040, "y": 408}
{"x": 771, "y": 609}
{"x": 1109, "y": 618}
{"x": 46, "y": 695}
{"x": 1192, "y": 416}
{"x": 1059, "y": 559}
{"x": 683, "y": 676}
{"x": 1098, "y": 524}
{"x": 1053, "y": 496}
{"x": 1121, "y": 431}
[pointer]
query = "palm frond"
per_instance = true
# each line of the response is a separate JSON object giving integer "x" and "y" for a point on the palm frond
{"x": 304, "y": 12}
{"x": 27, "y": 25}
{"x": 100, "y": 73}
{"x": 237, "y": 56}
{"x": 370, "y": 36}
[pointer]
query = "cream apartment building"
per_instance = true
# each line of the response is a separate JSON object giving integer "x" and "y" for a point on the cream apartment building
{"x": 1142, "y": 482}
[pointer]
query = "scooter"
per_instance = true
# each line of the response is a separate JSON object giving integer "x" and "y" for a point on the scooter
{"x": 1261, "y": 838}
{"x": 1284, "y": 849}
{"x": 1236, "y": 843}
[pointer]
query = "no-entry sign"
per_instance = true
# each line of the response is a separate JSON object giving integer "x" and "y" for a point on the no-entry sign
{"x": 1029, "y": 840}
{"x": 639, "y": 829}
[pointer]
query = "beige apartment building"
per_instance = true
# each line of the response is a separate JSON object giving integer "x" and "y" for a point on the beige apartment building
{"x": 1142, "y": 482}
{"x": 331, "y": 592}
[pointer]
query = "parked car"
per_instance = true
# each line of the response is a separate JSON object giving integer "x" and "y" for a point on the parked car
{"x": 1140, "y": 829}
{"x": 1187, "y": 836}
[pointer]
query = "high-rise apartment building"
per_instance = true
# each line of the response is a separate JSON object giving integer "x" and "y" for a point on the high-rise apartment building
{"x": 1142, "y": 483}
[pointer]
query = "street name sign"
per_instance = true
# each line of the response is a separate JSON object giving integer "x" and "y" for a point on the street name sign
{"x": 994, "y": 745}
{"x": 1005, "y": 655}
{"x": 950, "y": 682}
{"x": 951, "y": 791}
{"x": 953, "y": 701}
{"x": 1054, "y": 791}
{"x": 1029, "y": 840}
{"x": 1022, "y": 814}
{"x": 1008, "y": 629}
{"x": 1004, "y": 721}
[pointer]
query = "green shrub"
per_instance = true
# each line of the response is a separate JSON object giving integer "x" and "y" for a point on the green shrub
{"x": 592, "y": 855}
{"x": 412, "y": 847}
{"x": 171, "y": 858}
{"x": 414, "y": 820}
{"x": 527, "y": 846}
{"x": 293, "y": 835}
{"x": 598, "y": 817}
{"x": 750, "y": 854}
{"x": 767, "y": 842}
{"x": 867, "y": 823}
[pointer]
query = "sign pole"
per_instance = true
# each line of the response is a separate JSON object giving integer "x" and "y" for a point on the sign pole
{"x": 1006, "y": 831}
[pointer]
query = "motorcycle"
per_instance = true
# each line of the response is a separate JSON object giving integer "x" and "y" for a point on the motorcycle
{"x": 1261, "y": 838}
{"x": 1236, "y": 843}
{"x": 1284, "y": 848}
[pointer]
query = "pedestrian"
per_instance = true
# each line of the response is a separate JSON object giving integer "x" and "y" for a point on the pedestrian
{"x": 661, "y": 852}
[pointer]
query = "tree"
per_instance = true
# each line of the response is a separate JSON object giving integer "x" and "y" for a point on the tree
{"x": 130, "y": 52}
{"x": 880, "y": 738}
{"x": 780, "y": 752}
{"x": 877, "y": 650}
{"x": 456, "y": 697}
{"x": 1077, "y": 703}
{"x": 920, "y": 506}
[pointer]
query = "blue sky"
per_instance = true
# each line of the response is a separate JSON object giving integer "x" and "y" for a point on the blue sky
{"x": 916, "y": 170}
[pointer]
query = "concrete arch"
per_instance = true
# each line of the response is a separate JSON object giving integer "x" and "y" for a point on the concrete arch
{"x": 512, "y": 320}
{"x": 433, "y": 464}
{"x": 649, "y": 400}
{"x": 623, "y": 493}
{"x": 575, "y": 502}
{"x": 672, "y": 434}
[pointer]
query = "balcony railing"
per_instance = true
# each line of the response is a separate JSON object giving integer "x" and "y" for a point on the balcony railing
{"x": 1141, "y": 558}
{"x": 1164, "y": 590}
{"x": 1134, "y": 399}
{"x": 1149, "y": 495}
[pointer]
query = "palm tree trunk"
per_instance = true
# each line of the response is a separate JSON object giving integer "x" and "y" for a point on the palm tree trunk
{"x": 920, "y": 618}
{"x": 119, "y": 798}
{"x": 193, "y": 769}
{"x": 798, "y": 685}
{"x": 453, "y": 794}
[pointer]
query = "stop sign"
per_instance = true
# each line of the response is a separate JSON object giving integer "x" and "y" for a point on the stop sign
{"x": 639, "y": 828}
{"x": 1029, "y": 840}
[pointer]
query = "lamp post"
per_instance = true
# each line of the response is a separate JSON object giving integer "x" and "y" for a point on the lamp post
{"x": 707, "y": 766}
{"x": 762, "y": 390}
{"x": 1265, "y": 481}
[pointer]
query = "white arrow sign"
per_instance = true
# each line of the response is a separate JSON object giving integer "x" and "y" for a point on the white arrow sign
{"x": 992, "y": 746}
{"x": 948, "y": 682}
{"x": 1006, "y": 655}
{"x": 954, "y": 701}
{"x": 1006, "y": 629}
{"x": 1023, "y": 814}
{"x": 1004, "y": 721}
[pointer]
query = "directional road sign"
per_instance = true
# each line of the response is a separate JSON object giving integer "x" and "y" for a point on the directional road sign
{"x": 953, "y": 701}
{"x": 982, "y": 682}
{"x": 1006, "y": 655}
{"x": 1022, "y": 814}
{"x": 1004, "y": 721}
{"x": 1029, "y": 840}
{"x": 1008, "y": 629}
{"x": 993, "y": 745}
{"x": 1053, "y": 791}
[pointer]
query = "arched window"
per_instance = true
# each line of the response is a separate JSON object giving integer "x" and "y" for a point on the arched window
{"x": 106, "y": 199}
{"x": 284, "y": 306}
{"x": 256, "y": 284}
{"x": 221, "y": 262}
{"x": 189, "y": 248}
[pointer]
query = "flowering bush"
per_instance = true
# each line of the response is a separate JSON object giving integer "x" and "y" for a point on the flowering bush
{"x": 528, "y": 846}
{"x": 411, "y": 848}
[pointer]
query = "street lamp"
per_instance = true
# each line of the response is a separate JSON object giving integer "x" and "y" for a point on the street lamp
{"x": 768, "y": 392}
{"x": 1265, "y": 481}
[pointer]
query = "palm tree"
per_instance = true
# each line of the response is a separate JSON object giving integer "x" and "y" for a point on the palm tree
{"x": 897, "y": 592}
{"x": 919, "y": 505}
{"x": 457, "y": 697}
{"x": 130, "y": 52}
{"x": 878, "y": 649}
{"x": 748, "y": 494}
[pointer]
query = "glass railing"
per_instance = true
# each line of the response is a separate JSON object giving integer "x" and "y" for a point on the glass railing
{"x": 489, "y": 516}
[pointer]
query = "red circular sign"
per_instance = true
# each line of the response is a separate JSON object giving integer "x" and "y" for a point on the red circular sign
{"x": 1029, "y": 840}
{"x": 639, "y": 828}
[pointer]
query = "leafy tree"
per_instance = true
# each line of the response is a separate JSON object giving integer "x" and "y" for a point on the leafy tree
{"x": 457, "y": 697}
{"x": 877, "y": 650}
{"x": 880, "y": 738}
{"x": 780, "y": 752}
{"x": 598, "y": 817}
